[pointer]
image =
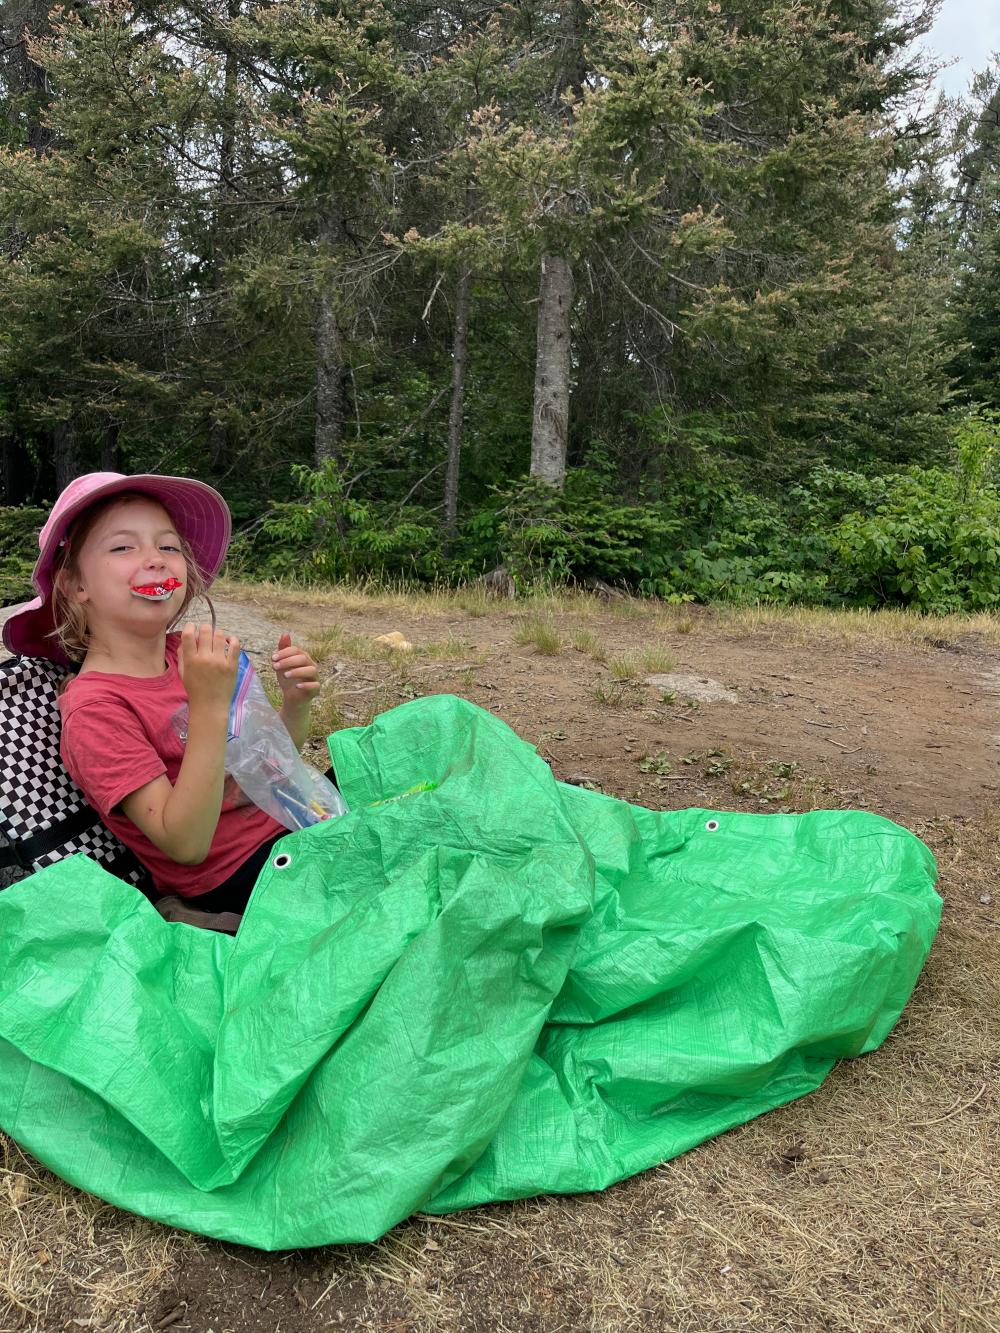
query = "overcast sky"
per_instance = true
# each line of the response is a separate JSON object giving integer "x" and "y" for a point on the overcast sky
{"x": 967, "y": 31}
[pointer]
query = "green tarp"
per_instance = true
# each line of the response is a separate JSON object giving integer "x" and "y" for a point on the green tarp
{"x": 498, "y": 987}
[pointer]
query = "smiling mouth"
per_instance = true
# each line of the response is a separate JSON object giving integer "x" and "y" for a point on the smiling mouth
{"x": 156, "y": 592}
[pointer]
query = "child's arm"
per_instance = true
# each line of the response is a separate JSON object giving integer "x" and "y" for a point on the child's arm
{"x": 299, "y": 681}
{"x": 181, "y": 819}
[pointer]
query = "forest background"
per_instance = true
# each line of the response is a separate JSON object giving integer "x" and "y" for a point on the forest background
{"x": 697, "y": 298}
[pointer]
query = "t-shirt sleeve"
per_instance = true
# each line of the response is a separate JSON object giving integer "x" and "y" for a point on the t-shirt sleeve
{"x": 107, "y": 753}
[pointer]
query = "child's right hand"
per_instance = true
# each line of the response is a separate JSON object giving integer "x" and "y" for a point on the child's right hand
{"x": 208, "y": 662}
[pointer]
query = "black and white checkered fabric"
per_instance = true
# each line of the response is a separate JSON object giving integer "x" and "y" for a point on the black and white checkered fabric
{"x": 39, "y": 801}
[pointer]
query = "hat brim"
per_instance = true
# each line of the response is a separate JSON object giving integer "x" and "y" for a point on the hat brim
{"x": 200, "y": 515}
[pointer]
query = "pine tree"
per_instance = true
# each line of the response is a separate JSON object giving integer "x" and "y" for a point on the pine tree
{"x": 977, "y": 325}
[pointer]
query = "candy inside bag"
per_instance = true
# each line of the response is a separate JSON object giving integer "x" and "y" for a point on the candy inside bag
{"x": 262, "y": 759}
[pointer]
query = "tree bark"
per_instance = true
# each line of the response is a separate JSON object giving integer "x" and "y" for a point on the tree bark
{"x": 22, "y": 74}
{"x": 458, "y": 357}
{"x": 550, "y": 413}
{"x": 110, "y": 453}
{"x": 553, "y": 350}
{"x": 329, "y": 438}
{"x": 64, "y": 454}
{"x": 219, "y": 435}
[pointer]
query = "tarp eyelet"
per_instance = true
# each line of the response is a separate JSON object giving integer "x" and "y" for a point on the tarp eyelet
{"x": 282, "y": 861}
{"x": 712, "y": 825}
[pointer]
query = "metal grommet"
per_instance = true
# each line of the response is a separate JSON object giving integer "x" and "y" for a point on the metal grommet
{"x": 712, "y": 825}
{"x": 281, "y": 861}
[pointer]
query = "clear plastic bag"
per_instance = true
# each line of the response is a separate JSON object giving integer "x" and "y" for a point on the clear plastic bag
{"x": 262, "y": 759}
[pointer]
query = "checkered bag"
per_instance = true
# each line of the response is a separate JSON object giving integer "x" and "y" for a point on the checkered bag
{"x": 43, "y": 814}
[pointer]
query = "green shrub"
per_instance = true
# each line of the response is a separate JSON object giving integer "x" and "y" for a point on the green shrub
{"x": 933, "y": 543}
{"x": 18, "y": 550}
{"x": 548, "y": 536}
{"x": 326, "y": 535}
{"x": 924, "y": 537}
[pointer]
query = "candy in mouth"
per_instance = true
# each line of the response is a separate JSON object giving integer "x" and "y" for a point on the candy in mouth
{"x": 157, "y": 592}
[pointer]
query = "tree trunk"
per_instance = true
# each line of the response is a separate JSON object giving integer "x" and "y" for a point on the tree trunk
{"x": 110, "y": 453}
{"x": 64, "y": 453}
{"x": 550, "y": 410}
{"x": 21, "y": 74}
{"x": 220, "y": 242}
{"x": 550, "y": 414}
{"x": 329, "y": 439}
{"x": 458, "y": 355}
{"x": 21, "y": 474}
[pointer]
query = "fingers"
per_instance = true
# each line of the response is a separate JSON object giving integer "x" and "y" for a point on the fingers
{"x": 295, "y": 669}
{"x": 203, "y": 641}
{"x": 291, "y": 661}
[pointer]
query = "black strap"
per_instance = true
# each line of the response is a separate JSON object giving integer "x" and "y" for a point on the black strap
{"x": 29, "y": 849}
{"x": 9, "y": 857}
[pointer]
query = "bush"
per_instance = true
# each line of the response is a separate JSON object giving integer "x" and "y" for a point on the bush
{"x": 18, "y": 551}
{"x": 933, "y": 543}
{"x": 327, "y": 535}
{"x": 547, "y": 536}
{"x": 925, "y": 537}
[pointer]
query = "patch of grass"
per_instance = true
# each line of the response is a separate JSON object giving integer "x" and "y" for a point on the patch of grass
{"x": 623, "y": 668}
{"x": 586, "y": 641}
{"x": 614, "y": 693}
{"x": 450, "y": 649}
{"x": 656, "y": 661}
{"x": 632, "y": 666}
{"x": 883, "y": 626}
{"x": 540, "y": 634}
{"x": 335, "y": 641}
{"x": 631, "y": 608}
{"x": 475, "y": 601}
{"x": 326, "y": 715}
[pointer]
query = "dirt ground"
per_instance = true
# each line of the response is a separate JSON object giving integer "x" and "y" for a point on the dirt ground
{"x": 871, "y": 1204}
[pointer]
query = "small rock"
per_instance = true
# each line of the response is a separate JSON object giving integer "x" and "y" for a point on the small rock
{"x": 699, "y": 688}
{"x": 985, "y": 899}
{"x": 396, "y": 641}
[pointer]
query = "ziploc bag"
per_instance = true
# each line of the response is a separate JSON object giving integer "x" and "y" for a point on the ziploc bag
{"x": 262, "y": 759}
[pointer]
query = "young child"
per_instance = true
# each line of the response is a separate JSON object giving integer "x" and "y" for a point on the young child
{"x": 121, "y": 558}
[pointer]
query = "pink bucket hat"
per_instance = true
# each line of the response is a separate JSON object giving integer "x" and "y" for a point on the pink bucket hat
{"x": 199, "y": 513}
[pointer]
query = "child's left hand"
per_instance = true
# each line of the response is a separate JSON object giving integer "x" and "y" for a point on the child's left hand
{"x": 297, "y": 674}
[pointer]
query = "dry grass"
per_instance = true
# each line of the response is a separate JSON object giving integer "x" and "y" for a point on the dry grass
{"x": 806, "y": 624}
{"x": 425, "y": 603}
{"x": 68, "y": 1260}
{"x": 800, "y": 624}
{"x": 541, "y": 634}
{"x": 618, "y": 692}
{"x": 634, "y": 666}
{"x": 586, "y": 641}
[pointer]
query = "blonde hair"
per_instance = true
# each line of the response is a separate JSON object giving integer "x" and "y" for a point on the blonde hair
{"x": 72, "y": 632}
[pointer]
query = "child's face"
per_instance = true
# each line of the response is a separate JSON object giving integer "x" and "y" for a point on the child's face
{"x": 132, "y": 546}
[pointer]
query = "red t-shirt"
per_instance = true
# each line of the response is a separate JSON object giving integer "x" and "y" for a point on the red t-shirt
{"x": 118, "y": 733}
